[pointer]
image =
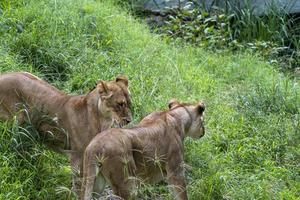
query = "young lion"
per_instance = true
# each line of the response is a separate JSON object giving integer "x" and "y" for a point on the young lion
{"x": 75, "y": 119}
{"x": 150, "y": 151}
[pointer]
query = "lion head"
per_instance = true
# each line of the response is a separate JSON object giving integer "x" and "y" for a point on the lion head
{"x": 194, "y": 117}
{"x": 115, "y": 101}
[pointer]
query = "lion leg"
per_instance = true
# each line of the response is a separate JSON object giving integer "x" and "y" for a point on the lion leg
{"x": 54, "y": 138}
{"x": 119, "y": 178}
{"x": 178, "y": 187}
{"x": 8, "y": 112}
{"x": 89, "y": 178}
{"x": 76, "y": 164}
{"x": 177, "y": 182}
{"x": 4, "y": 115}
{"x": 99, "y": 185}
{"x": 122, "y": 190}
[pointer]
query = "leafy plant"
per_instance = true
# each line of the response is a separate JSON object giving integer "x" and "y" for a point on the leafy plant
{"x": 199, "y": 27}
{"x": 273, "y": 35}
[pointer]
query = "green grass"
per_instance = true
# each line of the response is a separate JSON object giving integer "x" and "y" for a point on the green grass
{"x": 251, "y": 149}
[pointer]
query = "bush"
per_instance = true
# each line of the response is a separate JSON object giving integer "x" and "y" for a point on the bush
{"x": 274, "y": 35}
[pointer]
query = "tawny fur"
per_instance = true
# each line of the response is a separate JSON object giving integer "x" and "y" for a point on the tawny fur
{"x": 79, "y": 118}
{"x": 151, "y": 151}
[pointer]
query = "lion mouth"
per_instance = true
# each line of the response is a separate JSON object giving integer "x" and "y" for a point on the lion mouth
{"x": 115, "y": 124}
{"x": 118, "y": 124}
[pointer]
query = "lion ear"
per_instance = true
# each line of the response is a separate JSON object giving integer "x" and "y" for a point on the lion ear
{"x": 122, "y": 79}
{"x": 103, "y": 88}
{"x": 173, "y": 103}
{"x": 200, "y": 107}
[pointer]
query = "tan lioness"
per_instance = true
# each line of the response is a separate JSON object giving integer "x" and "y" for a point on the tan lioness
{"x": 76, "y": 119}
{"x": 150, "y": 151}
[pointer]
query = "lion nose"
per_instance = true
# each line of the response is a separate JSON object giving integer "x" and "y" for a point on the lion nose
{"x": 128, "y": 118}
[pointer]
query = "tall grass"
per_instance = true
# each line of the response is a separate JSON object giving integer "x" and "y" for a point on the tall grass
{"x": 273, "y": 25}
{"x": 251, "y": 147}
{"x": 28, "y": 170}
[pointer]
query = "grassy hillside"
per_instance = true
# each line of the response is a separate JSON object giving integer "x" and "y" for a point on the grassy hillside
{"x": 251, "y": 149}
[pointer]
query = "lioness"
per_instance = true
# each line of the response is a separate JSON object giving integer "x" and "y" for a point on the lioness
{"x": 77, "y": 118}
{"x": 150, "y": 151}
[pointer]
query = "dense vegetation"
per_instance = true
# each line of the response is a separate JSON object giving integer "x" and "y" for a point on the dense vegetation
{"x": 251, "y": 149}
{"x": 275, "y": 34}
